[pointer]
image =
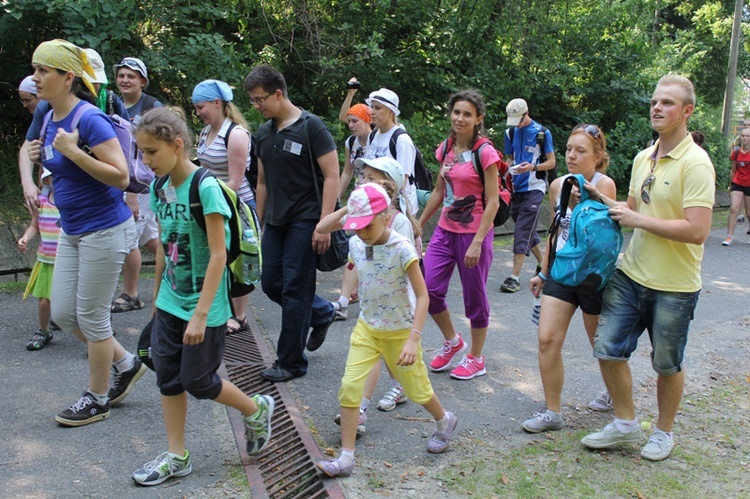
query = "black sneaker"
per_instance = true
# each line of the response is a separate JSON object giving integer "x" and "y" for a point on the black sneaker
{"x": 123, "y": 382}
{"x": 83, "y": 412}
{"x": 318, "y": 334}
{"x": 510, "y": 285}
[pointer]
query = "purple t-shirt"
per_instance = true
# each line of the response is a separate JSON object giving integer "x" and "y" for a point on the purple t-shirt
{"x": 85, "y": 204}
{"x": 462, "y": 204}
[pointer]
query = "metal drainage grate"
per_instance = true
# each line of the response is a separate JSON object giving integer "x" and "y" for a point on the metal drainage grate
{"x": 285, "y": 468}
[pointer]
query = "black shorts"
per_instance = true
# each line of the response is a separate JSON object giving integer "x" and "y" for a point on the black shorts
{"x": 181, "y": 367}
{"x": 740, "y": 188}
{"x": 589, "y": 304}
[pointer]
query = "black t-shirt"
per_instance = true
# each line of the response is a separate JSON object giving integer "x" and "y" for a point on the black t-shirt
{"x": 285, "y": 155}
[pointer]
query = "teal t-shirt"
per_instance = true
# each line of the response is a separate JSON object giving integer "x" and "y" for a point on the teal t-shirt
{"x": 186, "y": 251}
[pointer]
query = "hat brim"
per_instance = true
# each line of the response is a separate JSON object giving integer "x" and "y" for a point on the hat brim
{"x": 357, "y": 223}
{"x": 118, "y": 66}
{"x": 514, "y": 121}
{"x": 390, "y": 106}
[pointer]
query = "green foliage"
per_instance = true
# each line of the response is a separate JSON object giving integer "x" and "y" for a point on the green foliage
{"x": 574, "y": 61}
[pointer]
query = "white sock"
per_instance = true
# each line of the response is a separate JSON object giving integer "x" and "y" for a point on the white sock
{"x": 344, "y": 301}
{"x": 626, "y": 426}
{"x": 517, "y": 278}
{"x": 364, "y": 404}
{"x": 667, "y": 434}
{"x": 347, "y": 457}
{"x": 126, "y": 362}
{"x": 454, "y": 341}
{"x": 442, "y": 424}
{"x": 99, "y": 398}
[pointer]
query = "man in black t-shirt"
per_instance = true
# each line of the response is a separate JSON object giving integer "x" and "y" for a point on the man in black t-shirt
{"x": 295, "y": 151}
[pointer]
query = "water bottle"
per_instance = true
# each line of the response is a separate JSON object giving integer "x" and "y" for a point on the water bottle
{"x": 250, "y": 265}
{"x": 536, "y": 309}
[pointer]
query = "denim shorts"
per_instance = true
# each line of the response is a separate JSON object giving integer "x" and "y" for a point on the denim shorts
{"x": 630, "y": 308}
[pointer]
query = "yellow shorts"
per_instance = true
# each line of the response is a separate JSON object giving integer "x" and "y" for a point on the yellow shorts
{"x": 366, "y": 346}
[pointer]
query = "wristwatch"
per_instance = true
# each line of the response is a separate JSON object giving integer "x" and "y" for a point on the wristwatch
{"x": 536, "y": 167}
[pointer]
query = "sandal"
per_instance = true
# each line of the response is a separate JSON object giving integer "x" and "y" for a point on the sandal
{"x": 126, "y": 303}
{"x": 353, "y": 298}
{"x": 243, "y": 326}
{"x": 39, "y": 339}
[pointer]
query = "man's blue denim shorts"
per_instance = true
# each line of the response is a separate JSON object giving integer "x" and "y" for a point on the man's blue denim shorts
{"x": 630, "y": 308}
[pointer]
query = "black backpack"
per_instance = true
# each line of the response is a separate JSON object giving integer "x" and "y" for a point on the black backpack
{"x": 422, "y": 177}
{"x": 251, "y": 173}
{"x": 541, "y": 140}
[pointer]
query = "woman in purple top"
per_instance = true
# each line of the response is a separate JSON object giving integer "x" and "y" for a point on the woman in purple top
{"x": 89, "y": 173}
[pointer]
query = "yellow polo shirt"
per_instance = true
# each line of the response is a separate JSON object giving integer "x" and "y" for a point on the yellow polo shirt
{"x": 684, "y": 178}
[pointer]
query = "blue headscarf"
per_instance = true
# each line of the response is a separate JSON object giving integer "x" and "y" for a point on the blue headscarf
{"x": 209, "y": 90}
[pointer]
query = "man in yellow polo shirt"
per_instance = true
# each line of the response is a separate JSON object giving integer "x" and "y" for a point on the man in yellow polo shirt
{"x": 657, "y": 283}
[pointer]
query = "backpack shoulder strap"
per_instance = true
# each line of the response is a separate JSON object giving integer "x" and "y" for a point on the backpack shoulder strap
{"x": 350, "y": 142}
{"x": 73, "y": 123}
{"x": 148, "y": 103}
{"x": 110, "y": 102}
{"x": 447, "y": 144}
{"x": 196, "y": 208}
{"x": 394, "y": 138}
{"x": 45, "y": 124}
{"x": 371, "y": 137}
{"x": 476, "y": 158}
{"x": 229, "y": 131}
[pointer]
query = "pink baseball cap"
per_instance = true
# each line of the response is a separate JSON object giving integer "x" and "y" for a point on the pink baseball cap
{"x": 365, "y": 202}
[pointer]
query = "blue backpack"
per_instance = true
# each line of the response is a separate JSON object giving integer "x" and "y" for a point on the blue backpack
{"x": 588, "y": 259}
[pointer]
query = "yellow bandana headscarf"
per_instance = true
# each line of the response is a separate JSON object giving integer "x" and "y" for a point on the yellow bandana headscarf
{"x": 61, "y": 54}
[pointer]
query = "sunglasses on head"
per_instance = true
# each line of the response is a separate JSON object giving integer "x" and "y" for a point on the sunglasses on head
{"x": 592, "y": 130}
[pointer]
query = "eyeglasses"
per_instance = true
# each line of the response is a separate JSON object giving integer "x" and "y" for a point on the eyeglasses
{"x": 646, "y": 186}
{"x": 592, "y": 130}
{"x": 260, "y": 100}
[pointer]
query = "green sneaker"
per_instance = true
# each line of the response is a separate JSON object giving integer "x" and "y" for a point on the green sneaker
{"x": 258, "y": 426}
{"x": 163, "y": 468}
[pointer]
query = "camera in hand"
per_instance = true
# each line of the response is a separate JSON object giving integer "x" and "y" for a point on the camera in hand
{"x": 353, "y": 84}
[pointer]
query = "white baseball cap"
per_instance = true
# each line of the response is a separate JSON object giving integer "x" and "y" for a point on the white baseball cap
{"x": 515, "y": 111}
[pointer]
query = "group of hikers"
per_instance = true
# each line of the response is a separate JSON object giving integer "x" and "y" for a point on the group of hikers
{"x": 396, "y": 282}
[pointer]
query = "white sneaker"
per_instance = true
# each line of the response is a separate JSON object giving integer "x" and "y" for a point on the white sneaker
{"x": 391, "y": 399}
{"x": 611, "y": 436}
{"x": 658, "y": 448}
{"x": 602, "y": 402}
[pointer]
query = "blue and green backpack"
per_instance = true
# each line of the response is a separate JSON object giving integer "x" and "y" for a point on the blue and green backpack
{"x": 589, "y": 257}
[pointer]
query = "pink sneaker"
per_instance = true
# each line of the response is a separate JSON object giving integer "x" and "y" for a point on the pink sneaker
{"x": 442, "y": 361}
{"x": 469, "y": 367}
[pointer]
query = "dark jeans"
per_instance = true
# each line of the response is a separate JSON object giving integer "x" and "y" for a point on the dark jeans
{"x": 288, "y": 278}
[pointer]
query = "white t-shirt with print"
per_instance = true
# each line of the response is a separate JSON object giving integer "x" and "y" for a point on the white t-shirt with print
{"x": 380, "y": 147}
{"x": 387, "y": 300}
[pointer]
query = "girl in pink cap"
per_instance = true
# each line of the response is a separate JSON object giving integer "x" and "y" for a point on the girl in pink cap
{"x": 393, "y": 310}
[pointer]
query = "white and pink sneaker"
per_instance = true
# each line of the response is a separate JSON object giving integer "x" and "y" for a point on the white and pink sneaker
{"x": 442, "y": 361}
{"x": 469, "y": 367}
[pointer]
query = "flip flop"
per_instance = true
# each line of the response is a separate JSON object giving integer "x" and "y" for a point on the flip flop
{"x": 127, "y": 304}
